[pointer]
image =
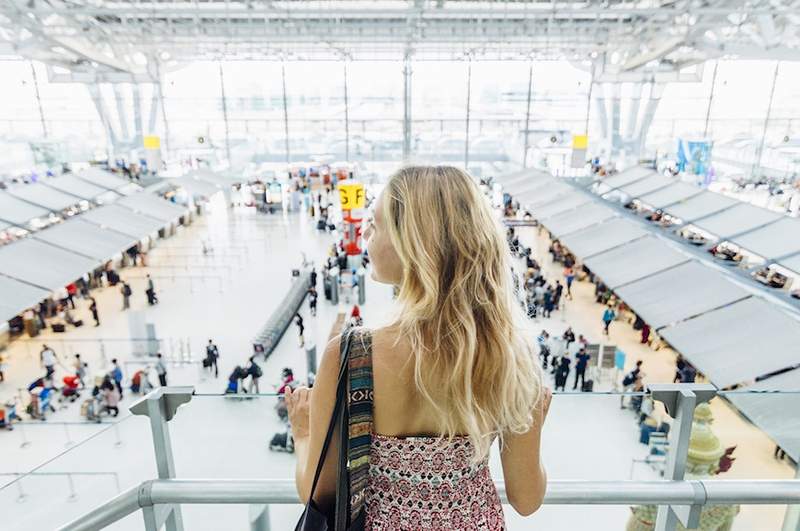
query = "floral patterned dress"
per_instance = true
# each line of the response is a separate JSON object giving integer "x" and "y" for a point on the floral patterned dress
{"x": 429, "y": 484}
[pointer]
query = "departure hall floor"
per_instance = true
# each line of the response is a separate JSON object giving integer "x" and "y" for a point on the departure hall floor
{"x": 587, "y": 436}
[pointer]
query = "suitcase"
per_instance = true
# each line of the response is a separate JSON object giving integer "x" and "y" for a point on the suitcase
{"x": 206, "y": 363}
{"x": 78, "y": 323}
{"x": 58, "y": 328}
{"x": 588, "y": 386}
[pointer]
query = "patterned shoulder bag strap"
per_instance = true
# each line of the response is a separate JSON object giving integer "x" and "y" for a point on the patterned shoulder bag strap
{"x": 360, "y": 397}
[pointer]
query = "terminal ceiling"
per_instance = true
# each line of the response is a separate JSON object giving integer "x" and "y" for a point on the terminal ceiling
{"x": 139, "y": 39}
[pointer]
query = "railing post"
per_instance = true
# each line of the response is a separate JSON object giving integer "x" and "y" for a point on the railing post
{"x": 680, "y": 400}
{"x": 160, "y": 406}
{"x": 259, "y": 518}
{"x": 791, "y": 522}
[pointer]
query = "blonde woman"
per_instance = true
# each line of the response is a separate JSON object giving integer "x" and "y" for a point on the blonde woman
{"x": 451, "y": 375}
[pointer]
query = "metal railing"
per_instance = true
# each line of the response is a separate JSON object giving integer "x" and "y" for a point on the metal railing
{"x": 150, "y": 495}
{"x": 678, "y": 500}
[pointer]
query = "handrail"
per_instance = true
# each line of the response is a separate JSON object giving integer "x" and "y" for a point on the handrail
{"x": 559, "y": 492}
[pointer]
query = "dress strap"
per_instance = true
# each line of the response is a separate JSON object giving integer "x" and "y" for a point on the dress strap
{"x": 360, "y": 397}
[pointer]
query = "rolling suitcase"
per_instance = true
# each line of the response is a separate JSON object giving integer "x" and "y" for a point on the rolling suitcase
{"x": 587, "y": 386}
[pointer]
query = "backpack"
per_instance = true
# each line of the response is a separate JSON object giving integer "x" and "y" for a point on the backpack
{"x": 256, "y": 371}
{"x": 629, "y": 379}
{"x": 126, "y": 290}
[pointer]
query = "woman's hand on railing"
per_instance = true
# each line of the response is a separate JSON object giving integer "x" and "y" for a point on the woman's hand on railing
{"x": 297, "y": 404}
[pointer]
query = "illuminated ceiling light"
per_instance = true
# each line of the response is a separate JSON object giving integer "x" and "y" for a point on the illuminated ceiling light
{"x": 593, "y": 55}
{"x": 615, "y": 57}
{"x": 164, "y": 55}
{"x": 139, "y": 58}
{"x": 692, "y": 20}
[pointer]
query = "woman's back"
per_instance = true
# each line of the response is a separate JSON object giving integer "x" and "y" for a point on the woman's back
{"x": 416, "y": 478}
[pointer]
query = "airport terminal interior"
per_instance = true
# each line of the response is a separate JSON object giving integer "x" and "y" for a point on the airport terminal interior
{"x": 184, "y": 191}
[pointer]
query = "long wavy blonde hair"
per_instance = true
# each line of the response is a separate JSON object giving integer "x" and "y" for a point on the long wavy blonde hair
{"x": 472, "y": 361}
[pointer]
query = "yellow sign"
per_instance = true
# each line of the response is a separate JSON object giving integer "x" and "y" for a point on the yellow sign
{"x": 580, "y": 141}
{"x": 351, "y": 195}
{"x": 152, "y": 142}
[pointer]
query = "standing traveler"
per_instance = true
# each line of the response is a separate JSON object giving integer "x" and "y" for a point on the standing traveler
{"x": 80, "y": 370}
{"x": 151, "y": 292}
{"x": 629, "y": 381}
{"x": 569, "y": 278}
{"x": 581, "y": 360}
{"x": 313, "y": 279}
{"x": 569, "y": 338}
{"x": 548, "y": 303}
{"x": 557, "y": 294}
{"x": 544, "y": 347}
{"x": 300, "y": 328}
{"x": 116, "y": 375}
{"x": 461, "y": 389}
{"x": 126, "y": 295}
{"x": 255, "y": 372}
{"x": 161, "y": 370}
{"x": 608, "y": 316}
{"x": 212, "y": 355}
{"x": 93, "y": 309}
{"x": 562, "y": 373}
{"x": 312, "y": 301}
{"x": 48, "y": 359}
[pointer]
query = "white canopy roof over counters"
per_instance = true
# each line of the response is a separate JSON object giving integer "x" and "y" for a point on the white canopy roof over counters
{"x": 791, "y": 263}
{"x": 16, "y": 211}
{"x": 15, "y": 296}
{"x": 572, "y": 221}
{"x": 529, "y": 181}
{"x": 564, "y": 203}
{"x": 124, "y": 220}
{"x": 740, "y": 218}
{"x": 628, "y": 176}
{"x": 647, "y": 185}
{"x": 87, "y": 238}
{"x": 197, "y": 188}
{"x": 772, "y": 241}
{"x": 770, "y": 411}
{"x": 109, "y": 181}
{"x": 634, "y": 261}
{"x": 738, "y": 343}
{"x": 43, "y": 265}
{"x": 602, "y": 237}
{"x": 155, "y": 207}
{"x": 679, "y": 293}
{"x": 675, "y": 192}
{"x": 543, "y": 195}
{"x": 45, "y": 196}
{"x": 78, "y": 187}
{"x": 701, "y": 205}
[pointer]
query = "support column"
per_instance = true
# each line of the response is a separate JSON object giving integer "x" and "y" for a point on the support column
{"x": 466, "y": 132}
{"x": 528, "y": 115}
{"x": 760, "y": 152}
{"x": 39, "y": 100}
{"x": 124, "y": 132}
{"x": 633, "y": 114}
{"x": 285, "y": 114}
{"x": 711, "y": 98}
{"x": 656, "y": 91}
{"x": 346, "y": 118}
{"x": 407, "y": 108}
{"x": 99, "y": 105}
{"x": 138, "y": 135}
{"x": 225, "y": 114}
{"x": 159, "y": 87}
{"x": 615, "y": 141}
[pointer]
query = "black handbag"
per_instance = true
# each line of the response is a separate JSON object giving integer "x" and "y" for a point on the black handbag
{"x": 313, "y": 519}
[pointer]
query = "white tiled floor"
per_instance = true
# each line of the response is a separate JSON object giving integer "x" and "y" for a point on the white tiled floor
{"x": 587, "y": 437}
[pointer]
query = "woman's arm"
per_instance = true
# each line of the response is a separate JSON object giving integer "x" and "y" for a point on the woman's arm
{"x": 310, "y": 412}
{"x": 524, "y": 475}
